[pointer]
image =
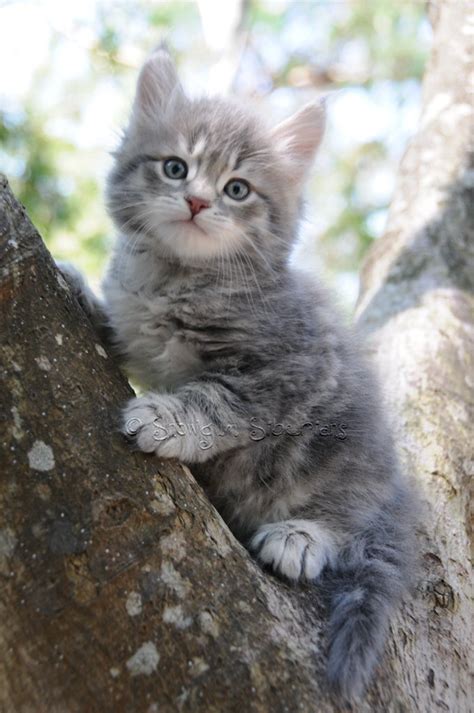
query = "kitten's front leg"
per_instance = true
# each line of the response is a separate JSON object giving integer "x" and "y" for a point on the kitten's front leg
{"x": 296, "y": 549}
{"x": 191, "y": 425}
{"x": 154, "y": 424}
{"x": 89, "y": 302}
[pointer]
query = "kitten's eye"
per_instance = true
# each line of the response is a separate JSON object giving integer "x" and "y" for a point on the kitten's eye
{"x": 175, "y": 168}
{"x": 237, "y": 189}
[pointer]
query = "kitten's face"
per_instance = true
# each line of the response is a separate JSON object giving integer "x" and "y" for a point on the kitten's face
{"x": 200, "y": 180}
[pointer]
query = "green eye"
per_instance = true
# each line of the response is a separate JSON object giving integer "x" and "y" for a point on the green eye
{"x": 237, "y": 189}
{"x": 175, "y": 168}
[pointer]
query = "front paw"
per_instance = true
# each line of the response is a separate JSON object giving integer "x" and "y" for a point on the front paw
{"x": 73, "y": 277}
{"x": 78, "y": 286}
{"x": 147, "y": 423}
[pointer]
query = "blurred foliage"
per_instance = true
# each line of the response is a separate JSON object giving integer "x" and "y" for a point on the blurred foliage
{"x": 33, "y": 157}
{"x": 307, "y": 46}
{"x": 390, "y": 32}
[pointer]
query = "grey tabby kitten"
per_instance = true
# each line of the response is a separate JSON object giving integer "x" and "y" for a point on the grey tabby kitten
{"x": 252, "y": 379}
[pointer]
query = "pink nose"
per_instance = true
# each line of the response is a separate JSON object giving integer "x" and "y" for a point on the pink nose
{"x": 196, "y": 204}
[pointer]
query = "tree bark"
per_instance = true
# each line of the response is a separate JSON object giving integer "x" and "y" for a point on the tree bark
{"x": 417, "y": 309}
{"x": 121, "y": 587}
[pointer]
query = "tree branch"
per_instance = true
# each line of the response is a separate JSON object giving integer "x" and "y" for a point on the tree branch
{"x": 121, "y": 586}
{"x": 417, "y": 308}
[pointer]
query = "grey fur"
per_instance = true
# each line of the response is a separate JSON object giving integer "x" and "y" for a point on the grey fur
{"x": 232, "y": 341}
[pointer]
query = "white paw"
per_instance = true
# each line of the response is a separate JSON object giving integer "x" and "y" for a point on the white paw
{"x": 72, "y": 275}
{"x": 296, "y": 549}
{"x": 146, "y": 421}
{"x": 78, "y": 286}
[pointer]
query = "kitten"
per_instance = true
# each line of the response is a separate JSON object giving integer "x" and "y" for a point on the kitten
{"x": 253, "y": 380}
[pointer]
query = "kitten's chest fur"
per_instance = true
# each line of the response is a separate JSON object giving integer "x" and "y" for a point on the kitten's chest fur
{"x": 153, "y": 318}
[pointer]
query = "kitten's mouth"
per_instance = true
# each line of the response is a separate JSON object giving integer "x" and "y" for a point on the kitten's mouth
{"x": 192, "y": 224}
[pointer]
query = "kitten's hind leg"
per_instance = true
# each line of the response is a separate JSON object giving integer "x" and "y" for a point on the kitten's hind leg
{"x": 296, "y": 549}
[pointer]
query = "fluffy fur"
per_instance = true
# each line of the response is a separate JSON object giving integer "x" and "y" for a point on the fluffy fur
{"x": 252, "y": 379}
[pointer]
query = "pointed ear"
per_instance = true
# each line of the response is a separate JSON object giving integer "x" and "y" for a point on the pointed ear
{"x": 298, "y": 138}
{"x": 158, "y": 85}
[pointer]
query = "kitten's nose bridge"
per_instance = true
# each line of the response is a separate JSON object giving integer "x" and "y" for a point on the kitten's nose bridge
{"x": 196, "y": 204}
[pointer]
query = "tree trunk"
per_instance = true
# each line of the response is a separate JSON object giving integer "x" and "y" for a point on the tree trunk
{"x": 417, "y": 309}
{"x": 121, "y": 587}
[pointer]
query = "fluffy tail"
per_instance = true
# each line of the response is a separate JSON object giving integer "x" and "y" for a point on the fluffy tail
{"x": 370, "y": 578}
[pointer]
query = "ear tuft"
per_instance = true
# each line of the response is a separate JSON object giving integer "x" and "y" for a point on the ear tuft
{"x": 158, "y": 84}
{"x": 299, "y": 137}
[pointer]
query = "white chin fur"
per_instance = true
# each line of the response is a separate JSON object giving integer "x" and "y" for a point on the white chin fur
{"x": 189, "y": 241}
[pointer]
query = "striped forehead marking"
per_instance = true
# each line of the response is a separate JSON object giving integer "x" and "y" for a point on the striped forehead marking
{"x": 198, "y": 148}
